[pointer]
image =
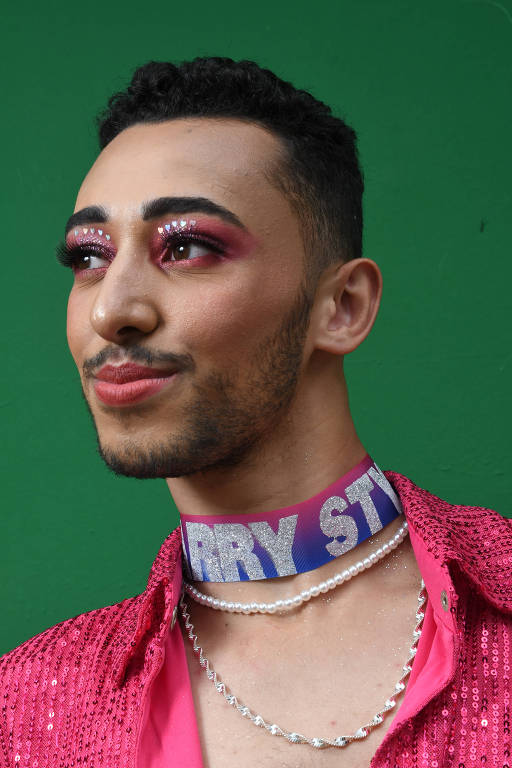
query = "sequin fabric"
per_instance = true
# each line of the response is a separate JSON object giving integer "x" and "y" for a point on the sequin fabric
{"x": 74, "y": 694}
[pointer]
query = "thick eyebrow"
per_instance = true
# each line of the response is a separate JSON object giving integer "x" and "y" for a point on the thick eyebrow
{"x": 93, "y": 214}
{"x": 162, "y": 206}
{"x": 153, "y": 209}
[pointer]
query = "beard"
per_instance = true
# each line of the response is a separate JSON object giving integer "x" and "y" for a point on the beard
{"x": 225, "y": 421}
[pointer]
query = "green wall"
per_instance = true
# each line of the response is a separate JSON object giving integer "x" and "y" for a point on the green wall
{"x": 428, "y": 88}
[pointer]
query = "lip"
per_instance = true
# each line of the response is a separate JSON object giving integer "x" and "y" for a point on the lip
{"x": 129, "y": 384}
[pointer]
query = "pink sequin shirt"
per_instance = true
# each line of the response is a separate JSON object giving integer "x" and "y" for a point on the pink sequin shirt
{"x": 110, "y": 688}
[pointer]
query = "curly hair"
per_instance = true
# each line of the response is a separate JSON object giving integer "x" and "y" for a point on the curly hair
{"x": 318, "y": 171}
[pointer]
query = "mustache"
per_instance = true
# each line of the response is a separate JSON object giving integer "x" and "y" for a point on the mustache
{"x": 136, "y": 353}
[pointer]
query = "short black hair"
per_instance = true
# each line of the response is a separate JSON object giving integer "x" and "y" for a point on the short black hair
{"x": 319, "y": 172}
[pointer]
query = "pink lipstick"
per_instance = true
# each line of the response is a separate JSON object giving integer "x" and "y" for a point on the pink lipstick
{"x": 127, "y": 384}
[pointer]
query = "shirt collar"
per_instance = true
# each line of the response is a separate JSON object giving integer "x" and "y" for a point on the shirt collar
{"x": 148, "y": 615}
{"x": 476, "y": 540}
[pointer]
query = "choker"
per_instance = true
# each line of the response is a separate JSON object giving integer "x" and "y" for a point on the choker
{"x": 295, "y": 539}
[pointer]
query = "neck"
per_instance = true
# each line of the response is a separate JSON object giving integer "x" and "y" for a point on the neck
{"x": 314, "y": 445}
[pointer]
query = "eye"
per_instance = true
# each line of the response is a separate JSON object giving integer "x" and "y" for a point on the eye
{"x": 88, "y": 260}
{"x": 188, "y": 250}
{"x": 80, "y": 258}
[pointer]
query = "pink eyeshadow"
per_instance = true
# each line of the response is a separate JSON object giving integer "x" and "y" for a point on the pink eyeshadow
{"x": 232, "y": 240}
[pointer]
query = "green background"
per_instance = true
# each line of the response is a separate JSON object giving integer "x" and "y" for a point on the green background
{"x": 427, "y": 86}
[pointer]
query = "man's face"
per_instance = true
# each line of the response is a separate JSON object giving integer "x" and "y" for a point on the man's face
{"x": 212, "y": 302}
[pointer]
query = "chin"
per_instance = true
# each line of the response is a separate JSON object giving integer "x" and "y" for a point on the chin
{"x": 180, "y": 457}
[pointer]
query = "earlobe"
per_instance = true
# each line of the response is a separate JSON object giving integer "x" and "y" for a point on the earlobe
{"x": 347, "y": 303}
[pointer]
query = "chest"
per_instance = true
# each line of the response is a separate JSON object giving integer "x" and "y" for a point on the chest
{"x": 322, "y": 696}
{"x": 229, "y": 740}
{"x": 324, "y": 672}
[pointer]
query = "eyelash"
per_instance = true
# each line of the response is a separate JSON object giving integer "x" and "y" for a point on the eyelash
{"x": 178, "y": 238}
{"x": 68, "y": 256}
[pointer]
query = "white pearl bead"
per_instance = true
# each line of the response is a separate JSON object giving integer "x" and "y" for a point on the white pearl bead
{"x": 324, "y": 586}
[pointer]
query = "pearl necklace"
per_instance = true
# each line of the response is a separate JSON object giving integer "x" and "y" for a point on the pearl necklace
{"x": 292, "y": 736}
{"x": 307, "y": 594}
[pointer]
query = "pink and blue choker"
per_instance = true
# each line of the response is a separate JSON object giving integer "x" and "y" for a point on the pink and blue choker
{"x": 294, "y": 539}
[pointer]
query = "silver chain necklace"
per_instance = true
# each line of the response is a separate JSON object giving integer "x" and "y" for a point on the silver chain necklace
{"x": 307, "y": 594}
{"x": 292, "y": 736}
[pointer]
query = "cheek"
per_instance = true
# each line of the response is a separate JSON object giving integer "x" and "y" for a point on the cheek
{"x": 76, "y": 326}
{"x": 226, "y": 322}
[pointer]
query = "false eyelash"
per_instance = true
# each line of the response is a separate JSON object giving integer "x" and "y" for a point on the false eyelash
{"x": 67, "y": 255}
{"x": 64, "y": 255}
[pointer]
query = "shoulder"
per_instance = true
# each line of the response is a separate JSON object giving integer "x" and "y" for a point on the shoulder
{"x": 86, "y": 673}
{"x": 80, "y": 641}
{"x": 55, "y": 685}
{"x": 477, "y": 539}
{"x": 98, "y": 641}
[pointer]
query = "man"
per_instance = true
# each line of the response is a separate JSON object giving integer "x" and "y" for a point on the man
{"x": 348, "y": 617}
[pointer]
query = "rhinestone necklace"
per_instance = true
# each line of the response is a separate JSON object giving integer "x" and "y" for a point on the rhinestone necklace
{"x": 307, "y": 594}
{"x": 292, "y": 736}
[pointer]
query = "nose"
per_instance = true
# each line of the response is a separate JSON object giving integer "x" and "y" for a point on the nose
{"x": 125, "y": 306}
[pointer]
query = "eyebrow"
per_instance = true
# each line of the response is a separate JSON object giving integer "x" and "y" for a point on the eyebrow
{"x": 153, "y": 209}
{"x": 93, "y": 214}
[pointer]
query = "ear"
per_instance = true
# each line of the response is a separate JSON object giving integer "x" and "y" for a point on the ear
{"x": 346, "y": 305}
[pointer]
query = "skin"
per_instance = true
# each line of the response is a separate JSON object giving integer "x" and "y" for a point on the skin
{"x": 135, "y": 302}
{"x": 223, "y": 316}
